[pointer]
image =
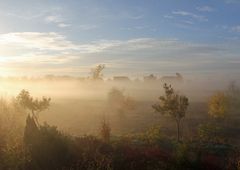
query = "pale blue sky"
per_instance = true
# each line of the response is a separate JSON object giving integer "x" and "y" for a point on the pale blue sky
{"x": 132, "y": 37}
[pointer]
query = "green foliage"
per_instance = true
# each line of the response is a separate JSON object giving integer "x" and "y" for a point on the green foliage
{"x": 92, "y": 153}
{"x": 209, "y": 132}
{"x": 173, "y": 104}
{"x": 153, "y": 136}
{"x": 181, "y": 154}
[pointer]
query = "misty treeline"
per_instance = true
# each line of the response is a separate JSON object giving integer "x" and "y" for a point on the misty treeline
{"x": 96, "y": 74}
{"x": 29, "y": 144}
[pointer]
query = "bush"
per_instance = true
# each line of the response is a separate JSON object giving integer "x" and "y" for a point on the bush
{"x": 48, "y": 148}
{"x": 210, "y": 133}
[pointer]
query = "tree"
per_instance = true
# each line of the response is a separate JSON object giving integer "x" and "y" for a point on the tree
{"x": 105, "y": 130}
{"x": 173, "y": 104}
{"x": 233, "y": 94}
{"x": 47, "y": 147}
{"x": 218, "y": 105}
{"x": 150, "y": 77}
{"x": 31, "y": 132}
{"x": 119, "y": 101}
{"x": 233, "y": 89}
{"x": 97, "y": 72}
{"x": 34, "y": 105}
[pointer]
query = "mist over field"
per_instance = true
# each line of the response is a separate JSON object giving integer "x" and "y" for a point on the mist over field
{"x": 78, "y": 105}
{"x": 89, "y": 121}
{"x": 74, "y": 87}
{"x": 119, "y": 85}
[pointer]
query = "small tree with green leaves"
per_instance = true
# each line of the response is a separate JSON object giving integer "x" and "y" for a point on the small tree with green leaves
{"x": 33, "y": 105}
{"x": 173, "y": 104}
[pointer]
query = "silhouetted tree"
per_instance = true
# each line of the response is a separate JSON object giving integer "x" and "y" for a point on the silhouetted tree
{"x": 97, "y": 72}
{"x": 179, "y": 76}
{"x": 150, "y": 77}
{"x": 47, "y": 147}
{"x": 119, "y": 101}
{"x": 34, "y": 105}
{"x": 173, "y": 104}
{"x": 30, "y": 132}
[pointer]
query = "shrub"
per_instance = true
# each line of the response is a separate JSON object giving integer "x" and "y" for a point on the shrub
{"x": 48, "y": 148}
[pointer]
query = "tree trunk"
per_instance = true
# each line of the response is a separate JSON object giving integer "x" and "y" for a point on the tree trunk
{"x": 178, "y": 130}
{"x": 35, "y": 118}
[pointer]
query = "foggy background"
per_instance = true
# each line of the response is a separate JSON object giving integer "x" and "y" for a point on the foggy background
{"x": 78, "y": 105}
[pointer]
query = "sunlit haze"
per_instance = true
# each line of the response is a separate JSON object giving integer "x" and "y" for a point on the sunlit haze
{"x": 119, "y": 84}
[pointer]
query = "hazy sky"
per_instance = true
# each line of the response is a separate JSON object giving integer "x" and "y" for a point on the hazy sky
{"x": 132, "y": 37}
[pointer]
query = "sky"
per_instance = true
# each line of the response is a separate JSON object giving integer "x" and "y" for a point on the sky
{"x": 131, "y": 37}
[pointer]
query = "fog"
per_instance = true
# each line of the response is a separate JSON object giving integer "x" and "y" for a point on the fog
{"x": 78, "y": 106}
{"x": 196, "y": 89}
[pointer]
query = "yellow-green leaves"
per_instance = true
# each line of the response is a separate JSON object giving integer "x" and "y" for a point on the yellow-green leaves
{"x": 218, "y": 105}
